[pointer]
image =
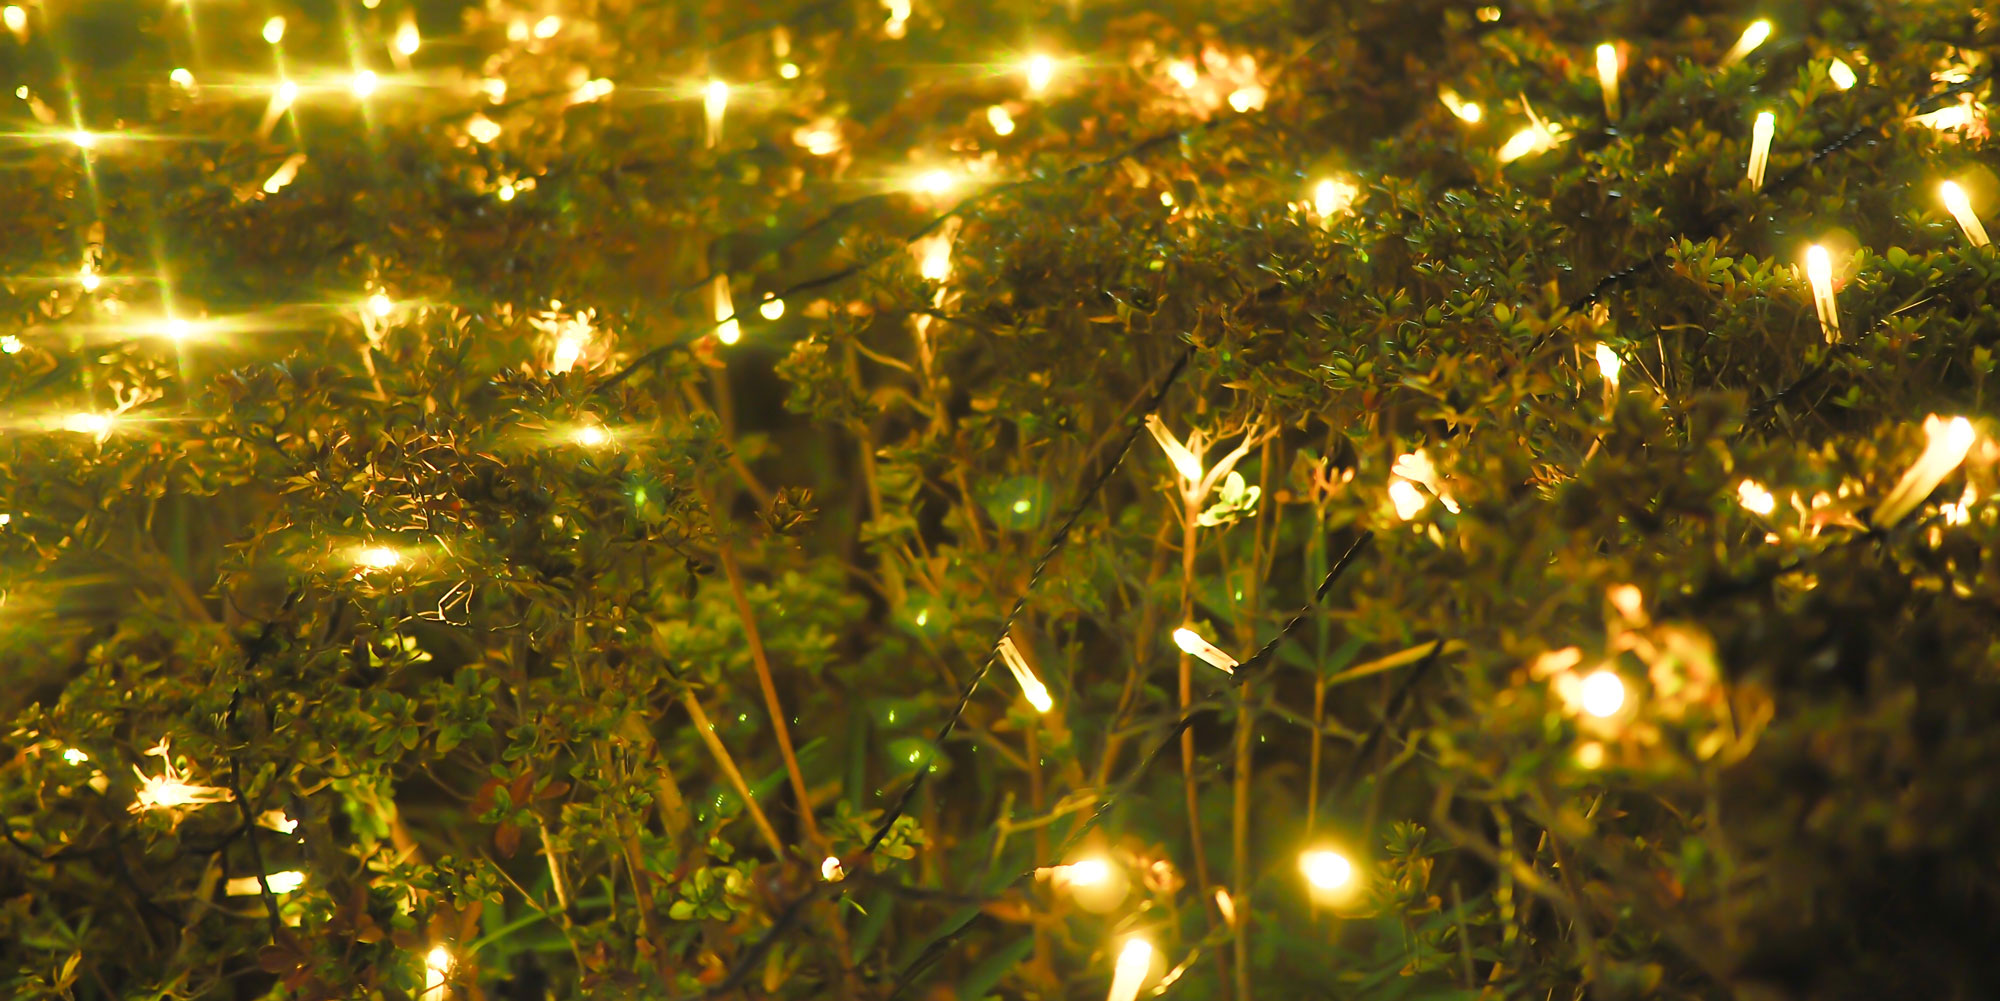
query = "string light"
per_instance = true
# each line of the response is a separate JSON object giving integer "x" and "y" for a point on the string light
{"x": 1609, "y": 365}
{"x": 1227, "y": 905}
{"x": 1409, "y": 501}
{"x": 82, "y": 139}
{"x": 727, "y": 330}
{"x": 182, "y": 78}
{"x": 280, "y": 882}
{"x": 1841, "y": 74}
{"x": 1039, "y": 70}
{"x": 88, "y": 278}
{"x": 274, "y": 30}
{"x": 935, "y": 182}
{"x": 899, "y": 18}
{"x": 1602, "y": 693}
{"x": 1540, "y": 136}
{"x": 820, "y": 138}
{"x": 1031, "y": 687}
{"x": 1761, "y": 132}
{"x": 377, "y": 558}
{"x": 1946, "y": 443}
{"x": 482, "y": 129}
{"x": 285, "y": 174}
{"x": 1002, "y": 122}
{"x": 771, "y": 308}
{"x": 170, "y": 790}
{"x": 1960, "y": 207}
{"x": 381, "y": 305}
{"x": 1134, "y": 962}
{"x": 1192, "y": 644}
{"x": 590, "y": 435}
{"x": 1755, "y": 35}
{"x": 1185, "y": 462}
{"x": 1956, "y": 116}
{"x": 1333, "y": 196}
{"x": 1754, "y": 498}
{"x": 1326, "y": 869}
{"x": 93, "y": 424}
{"x": 408, "y": 39}
{"x": 934, "y": 254}
{"x": 1465, "y": 111}
{"x": 17, "y": 21}
{"x": 789, "y": 71}
{"x": 437, "y": 964}
{"x": 1607, "y": 78}
{"x": 363, "y": 83}
{"x": 1819, "y": 271}
{"x": 831, "y": 870}
{"x": 714, "y": 101}
{"x": 548, "y": 26}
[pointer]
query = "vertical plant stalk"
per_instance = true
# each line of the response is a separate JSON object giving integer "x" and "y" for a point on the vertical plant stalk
{"x": 1209, "y": 910}
{"x": 706, "y": 730}
{"x": 777, "y": 710}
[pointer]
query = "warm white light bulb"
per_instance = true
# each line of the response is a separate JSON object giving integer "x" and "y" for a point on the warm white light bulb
{"x": 1761, "y": 132}
{"x": 16, "y": 19}
{"x": 1603, "y": 693}
{"x": 1755, "y": 35}
{"x": 771, "y": 308}
{"x": 1754, "y": 498}
{"x": 95, "y": 425}
{"x": 1332, "y": 197}
{"x": 591, "y": 436}
{"x": 1040, "y": 71}
{"x": 1960, "y": 207}
{"x": 482, "y": 129}
{"x": 727, "y": 330}
{"x": 1326, "y": 869}
{"x": 1819, "y": 272}
{"x": 1192, "y": 644}
{"x": 182, "y": 78}
{"x": 1134, "y": 962}
{"x": 381, "y": 305}
{"x": 363, "y": 83}
{"x": 286, "y": 173}
{"x": 408, "y": 39}
{"x": 1183, "y": 73}
{"x": 1002, "y": 122}
{"x": 548, "y": 26}
{"x": 714, "y": 101}
{"x": 1609, "y": 364}
{"x": 1607, "y": 77}
{"x": 1185, "y": 463}
{"x": 82, "y": 139}
{"x": 376, "y": 558}
{"x": 1088, "y": 872}
{"x": 1841, "y": 74}
{"x": 274, "y": 30}
{"x": 74, "y": 756}
{"x": 935, "y": 182}
{"x": 436, "y": 965}
{"x": 1032, "y": 688}
{"x": 831, "y": 870}
{"x": 1947, "y": 442}
{"x": 1409, "y": 501}
{"x": 88, "y": 279}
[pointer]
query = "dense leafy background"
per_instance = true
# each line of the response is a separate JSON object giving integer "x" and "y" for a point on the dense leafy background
{"x": 495, "y": 746}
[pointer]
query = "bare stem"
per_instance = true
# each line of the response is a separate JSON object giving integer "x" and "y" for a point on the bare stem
{"x": 706, "y": 730}
{"x": 763, "y": 665}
